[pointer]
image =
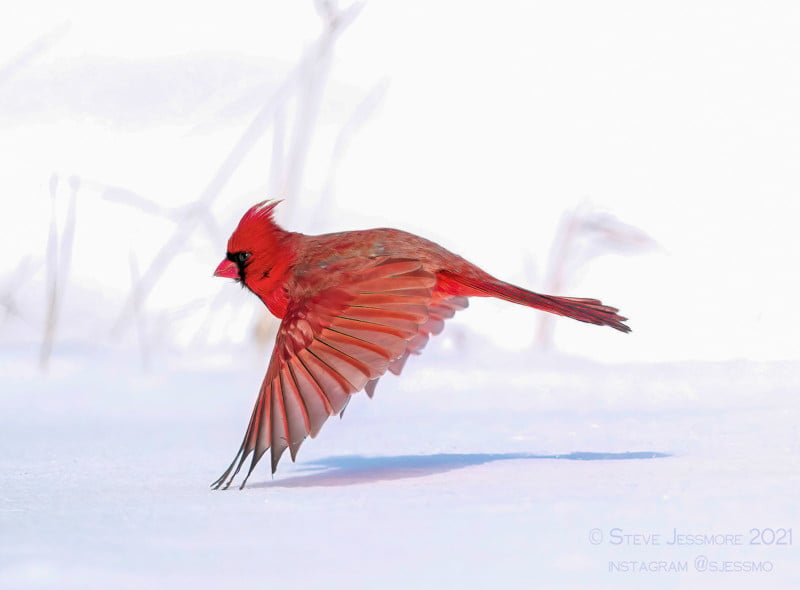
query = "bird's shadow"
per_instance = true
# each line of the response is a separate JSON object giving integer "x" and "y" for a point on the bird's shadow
{"x": 345, "y": 470}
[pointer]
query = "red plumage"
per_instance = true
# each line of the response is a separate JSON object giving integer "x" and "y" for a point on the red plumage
{"x": 353, "y": 305}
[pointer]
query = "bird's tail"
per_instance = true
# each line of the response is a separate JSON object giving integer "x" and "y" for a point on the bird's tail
{"x": 591, "y": 311}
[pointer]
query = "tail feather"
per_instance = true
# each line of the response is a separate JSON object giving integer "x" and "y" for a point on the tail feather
{"x": 591, "y": 311}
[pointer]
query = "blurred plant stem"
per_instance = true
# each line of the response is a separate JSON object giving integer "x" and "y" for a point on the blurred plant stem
{"x": 58, "y": 257}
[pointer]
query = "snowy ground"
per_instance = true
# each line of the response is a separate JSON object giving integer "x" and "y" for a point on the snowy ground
{"x": 476, "y": 469}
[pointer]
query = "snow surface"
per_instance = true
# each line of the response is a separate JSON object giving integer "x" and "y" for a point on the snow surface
{"x": 476, "y": 469}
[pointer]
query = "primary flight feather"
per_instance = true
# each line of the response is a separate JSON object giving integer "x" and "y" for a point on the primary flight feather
{"x": 352, "y": 305}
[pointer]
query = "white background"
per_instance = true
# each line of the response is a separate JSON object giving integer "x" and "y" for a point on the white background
{"x": 489, "y": 124}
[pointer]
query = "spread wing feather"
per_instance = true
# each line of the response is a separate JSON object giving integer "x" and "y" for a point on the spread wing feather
{"x": 438, "y": 311}
{"x": 330, "y": 345}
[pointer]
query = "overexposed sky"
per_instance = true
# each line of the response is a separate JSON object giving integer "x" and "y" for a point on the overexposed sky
{"x": 489, "y": 122}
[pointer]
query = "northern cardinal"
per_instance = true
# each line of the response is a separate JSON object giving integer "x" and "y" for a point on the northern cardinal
{"x": 352, "y": 306}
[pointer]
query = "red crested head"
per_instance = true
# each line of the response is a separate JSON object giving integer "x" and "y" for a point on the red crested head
{"x": 258, "y": 252}
{"x": 256, "y": 226}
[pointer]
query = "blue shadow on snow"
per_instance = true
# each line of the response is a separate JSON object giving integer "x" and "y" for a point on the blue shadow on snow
{"x": 356, "y": 469}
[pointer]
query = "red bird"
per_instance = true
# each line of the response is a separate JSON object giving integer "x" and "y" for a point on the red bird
{"x": 352, "y": 306}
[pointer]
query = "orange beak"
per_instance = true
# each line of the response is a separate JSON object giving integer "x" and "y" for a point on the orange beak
{"x": 227, "y": 270}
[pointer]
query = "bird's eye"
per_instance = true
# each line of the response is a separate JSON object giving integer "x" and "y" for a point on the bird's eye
{"x": 238, "y": 257}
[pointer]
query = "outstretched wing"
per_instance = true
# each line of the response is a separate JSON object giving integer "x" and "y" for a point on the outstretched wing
{"x": 438, "y": 311}
{"x": 330, "y": 344}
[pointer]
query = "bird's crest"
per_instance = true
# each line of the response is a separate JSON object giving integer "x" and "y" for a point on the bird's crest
{"x": 263, "y": 209}
{"x": 255, "y": 227}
